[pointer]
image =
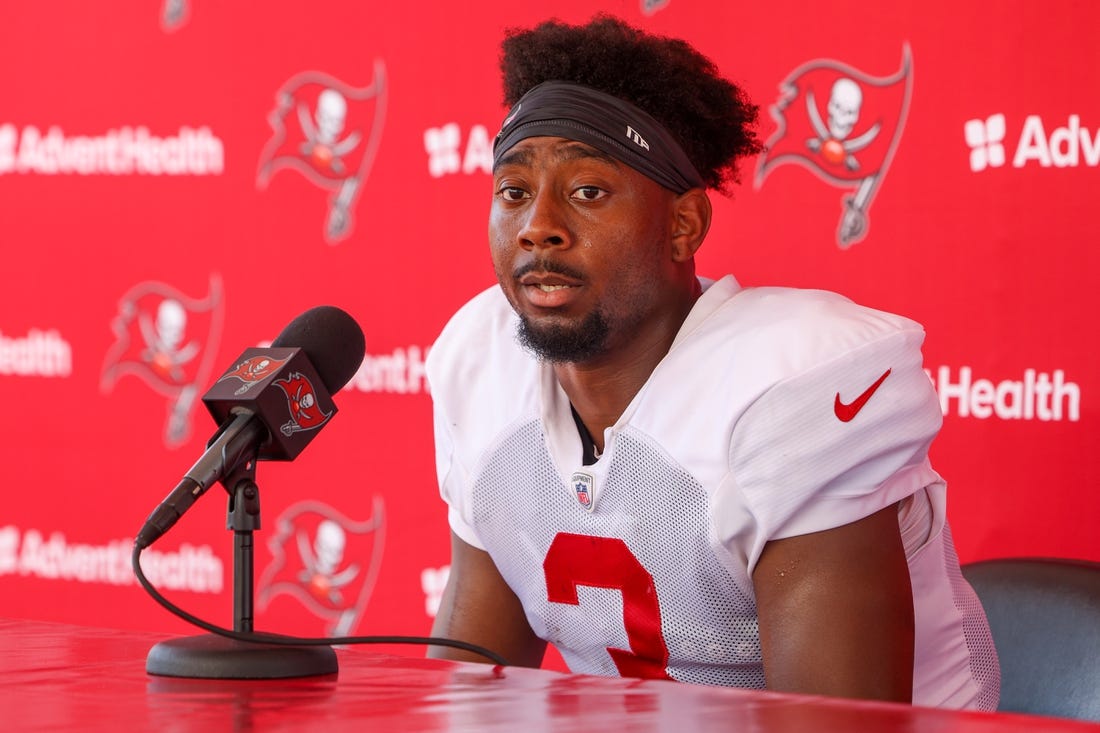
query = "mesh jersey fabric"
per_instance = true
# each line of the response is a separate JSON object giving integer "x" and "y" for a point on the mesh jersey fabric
{"x": 641, "y": 563}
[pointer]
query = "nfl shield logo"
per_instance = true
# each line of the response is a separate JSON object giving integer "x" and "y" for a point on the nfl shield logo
{"x": 582, "y": 485}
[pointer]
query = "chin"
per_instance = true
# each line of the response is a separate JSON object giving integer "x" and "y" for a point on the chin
{"x": 558, "y": 342}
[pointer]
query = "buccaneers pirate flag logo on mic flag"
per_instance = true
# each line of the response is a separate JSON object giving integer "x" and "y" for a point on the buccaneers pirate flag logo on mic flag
{"x": 329, "y": 132}
{"x": 843, "y": 126}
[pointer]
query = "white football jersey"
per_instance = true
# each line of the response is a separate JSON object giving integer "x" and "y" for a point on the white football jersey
{"x": 777, "y": 412}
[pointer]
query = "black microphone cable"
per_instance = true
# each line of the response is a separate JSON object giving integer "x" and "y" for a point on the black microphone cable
{"x": 334, "y": 345}
{"x": 282, "y": 639}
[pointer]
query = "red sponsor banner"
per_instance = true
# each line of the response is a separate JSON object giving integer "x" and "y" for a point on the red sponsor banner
{"x": 161, "y": 216}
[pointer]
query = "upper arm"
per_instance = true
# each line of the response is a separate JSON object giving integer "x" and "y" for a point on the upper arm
{"x": 478, "y": 607}
{"x": 835, "y": 611}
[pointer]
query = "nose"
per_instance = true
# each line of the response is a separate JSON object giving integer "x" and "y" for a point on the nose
{"x": 544, "y": 223}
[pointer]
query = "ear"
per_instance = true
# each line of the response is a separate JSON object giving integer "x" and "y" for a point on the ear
{"x": 690, "y": 223}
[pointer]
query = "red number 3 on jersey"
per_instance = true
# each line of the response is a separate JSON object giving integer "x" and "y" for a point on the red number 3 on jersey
{"x": 600, "y": 562}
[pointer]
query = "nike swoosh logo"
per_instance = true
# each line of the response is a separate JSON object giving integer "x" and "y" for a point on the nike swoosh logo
{"x": 845, "y": 412}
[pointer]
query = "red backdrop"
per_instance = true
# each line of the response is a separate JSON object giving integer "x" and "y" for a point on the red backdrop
{"x": 173, "y": 189}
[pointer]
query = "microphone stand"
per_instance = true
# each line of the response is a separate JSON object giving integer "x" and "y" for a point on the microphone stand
{"x": 211, "y": 656}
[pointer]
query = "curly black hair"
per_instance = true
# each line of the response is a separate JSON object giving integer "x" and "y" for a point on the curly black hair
{"x": 711, "y": 118}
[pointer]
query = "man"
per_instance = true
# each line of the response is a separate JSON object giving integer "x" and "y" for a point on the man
{"x": 670, "y": 477}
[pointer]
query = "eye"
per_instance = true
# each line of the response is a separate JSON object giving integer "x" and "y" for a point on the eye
{"x": 512, "y": 193}
{"x": 589, "y": 193}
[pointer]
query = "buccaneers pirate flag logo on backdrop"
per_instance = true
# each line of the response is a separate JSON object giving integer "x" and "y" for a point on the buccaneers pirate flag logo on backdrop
{"x": 166, "y": 339}
{"x": 842, "y": 125}
{"x": 329, "y": 132}
{"x": 329, "y": 563}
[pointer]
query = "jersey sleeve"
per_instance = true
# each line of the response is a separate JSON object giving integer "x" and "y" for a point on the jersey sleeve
{"x": 839, "y": 441}
{"x": 449, "y": 375}
{"x": 452, "y": 480}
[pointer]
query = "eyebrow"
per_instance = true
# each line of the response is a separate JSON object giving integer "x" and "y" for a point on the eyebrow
{"x": 574, "y": 150}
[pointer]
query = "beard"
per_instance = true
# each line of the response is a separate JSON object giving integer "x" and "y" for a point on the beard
{"x": 565, "y": 343}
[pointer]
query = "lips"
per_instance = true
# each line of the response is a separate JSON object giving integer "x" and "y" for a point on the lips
{"x": 549, "y": 289}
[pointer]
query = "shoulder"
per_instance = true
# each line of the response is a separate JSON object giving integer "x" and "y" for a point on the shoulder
{"x": 480, "y": 331}
{"x": 488, "y": 311}
{"x": 476, "y": 363}
{"x": 763, "y": 335}
{"x": 807, "y": 327}
{"x": 795, "y": 344}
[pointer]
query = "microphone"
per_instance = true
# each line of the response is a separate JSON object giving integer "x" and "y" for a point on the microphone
{"x": 269, "y": 405}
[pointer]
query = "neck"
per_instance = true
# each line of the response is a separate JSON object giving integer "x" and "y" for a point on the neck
{"x": 601, "y": 388}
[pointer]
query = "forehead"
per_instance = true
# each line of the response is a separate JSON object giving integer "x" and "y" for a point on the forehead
{"x": 543, "y": 151}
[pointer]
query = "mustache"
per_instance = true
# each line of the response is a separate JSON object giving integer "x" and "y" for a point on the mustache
{"x": 548, "y": 266}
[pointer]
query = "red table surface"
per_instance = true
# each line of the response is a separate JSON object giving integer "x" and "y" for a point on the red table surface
{"x": 61, "y": 677}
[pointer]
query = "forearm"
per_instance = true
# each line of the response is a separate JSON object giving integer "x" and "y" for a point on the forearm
{"x": 478, "y": 607}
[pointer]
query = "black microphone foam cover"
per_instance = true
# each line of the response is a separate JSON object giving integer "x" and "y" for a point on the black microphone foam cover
{"x": 331, "y": 339}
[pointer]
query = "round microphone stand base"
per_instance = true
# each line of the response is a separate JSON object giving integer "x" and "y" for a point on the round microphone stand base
{"x": 210, "y": 656}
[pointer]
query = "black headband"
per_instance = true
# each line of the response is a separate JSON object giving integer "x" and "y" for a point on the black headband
{"x": 609, "y": 124}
